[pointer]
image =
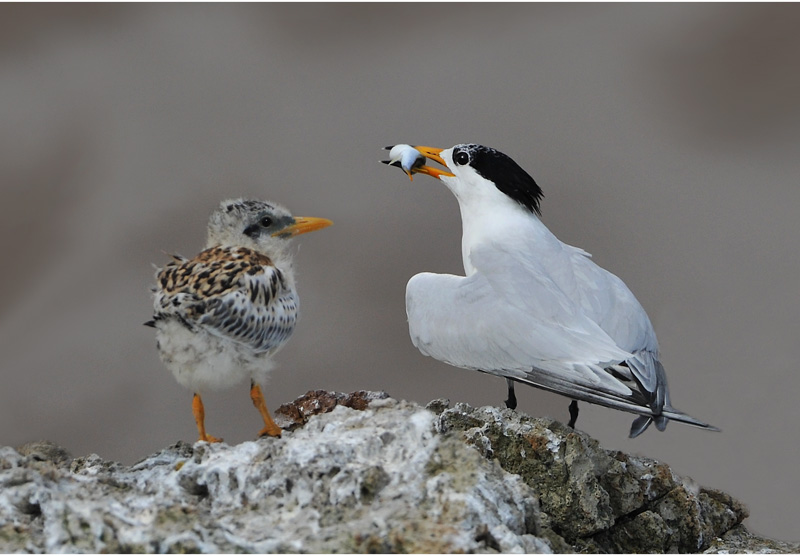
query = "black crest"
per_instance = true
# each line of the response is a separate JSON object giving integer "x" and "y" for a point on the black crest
{"x": 501, "y": 169}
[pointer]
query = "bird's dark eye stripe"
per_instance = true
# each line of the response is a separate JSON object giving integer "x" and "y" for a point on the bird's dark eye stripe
{"x": 252, "y": 231}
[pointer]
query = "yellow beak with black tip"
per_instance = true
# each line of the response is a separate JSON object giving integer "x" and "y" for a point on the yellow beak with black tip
{"x": 434, "y": 154}
{"x": 302, "y": 225}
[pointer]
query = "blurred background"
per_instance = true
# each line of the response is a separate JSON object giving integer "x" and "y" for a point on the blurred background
{"x": 666, "y": 139}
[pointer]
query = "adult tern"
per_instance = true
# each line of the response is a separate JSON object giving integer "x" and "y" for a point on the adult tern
{"x": 531, "y": 308}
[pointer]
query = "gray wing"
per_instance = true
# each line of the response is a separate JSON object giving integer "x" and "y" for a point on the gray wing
{"x": 464, "y": 322}
{"x": 608, "y": 301}
{"x": 571, "y": 328}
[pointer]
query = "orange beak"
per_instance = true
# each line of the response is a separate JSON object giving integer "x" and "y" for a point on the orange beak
{"x": 302, "y": 225}
{"x": 432, "y": 153}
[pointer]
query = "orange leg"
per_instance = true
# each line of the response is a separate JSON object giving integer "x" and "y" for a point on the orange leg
{"x": 270, "y": 428}
{"x": 200, "y": 418}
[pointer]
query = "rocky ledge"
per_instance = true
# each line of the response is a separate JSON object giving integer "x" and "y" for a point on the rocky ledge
{"x": 363, "y": 472}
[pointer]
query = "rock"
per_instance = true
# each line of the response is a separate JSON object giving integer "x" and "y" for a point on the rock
{"x": 295, "y": 414}
{"x": 597, "y": 500}
{"x": 362, "y": 472}
{"x": 740, "y": 541}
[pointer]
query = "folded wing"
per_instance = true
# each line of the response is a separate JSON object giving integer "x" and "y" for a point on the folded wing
{"x": 571, "y": 328}
{"x": 235, "y": 293}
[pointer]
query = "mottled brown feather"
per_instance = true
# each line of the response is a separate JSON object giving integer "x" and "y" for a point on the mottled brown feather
{"x": 231, "y": 291}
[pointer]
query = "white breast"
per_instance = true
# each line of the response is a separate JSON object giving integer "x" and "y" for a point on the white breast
{"x": 203, "y": 362}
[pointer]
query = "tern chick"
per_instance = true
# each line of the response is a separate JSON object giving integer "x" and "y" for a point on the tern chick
{"x": 222, "y": 315}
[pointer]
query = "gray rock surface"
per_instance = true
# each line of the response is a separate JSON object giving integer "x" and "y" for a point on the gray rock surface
{"x": 363, "y": 472}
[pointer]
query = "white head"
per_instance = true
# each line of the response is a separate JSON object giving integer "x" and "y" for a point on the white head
{"x": 264, "y": 227}
{"x": 497, "y": 198}
{"x": 482, "y": 175}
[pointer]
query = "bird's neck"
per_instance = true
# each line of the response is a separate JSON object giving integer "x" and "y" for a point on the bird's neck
{"x": 280, "y": 255}
{"x": 506, "y": 223}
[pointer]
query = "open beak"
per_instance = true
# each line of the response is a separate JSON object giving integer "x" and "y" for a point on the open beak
{"x": 302, "y": 225}
{"x": 418, "y": 167}
{"x": 432, "y": 153}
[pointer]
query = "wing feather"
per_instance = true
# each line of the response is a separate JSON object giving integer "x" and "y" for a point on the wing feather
{"x": 572, "y": 280}
{"x": 462, "y": 322}
{"x": 553, "y": 327}
{"x": 235, "y": 293}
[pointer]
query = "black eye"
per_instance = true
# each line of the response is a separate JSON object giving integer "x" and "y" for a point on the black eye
{"x": 266, "y": 222}
{"x": 461, "y": 158}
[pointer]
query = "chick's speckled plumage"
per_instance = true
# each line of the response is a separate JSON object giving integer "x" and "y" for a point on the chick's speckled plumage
{"x": 222, "y": 315}
{"x": 232, "y": 292}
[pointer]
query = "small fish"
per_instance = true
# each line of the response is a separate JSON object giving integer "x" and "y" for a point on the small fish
{"x": 406, "y": 158}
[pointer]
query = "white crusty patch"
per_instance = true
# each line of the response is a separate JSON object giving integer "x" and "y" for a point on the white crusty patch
{"x": 345, "y": 475}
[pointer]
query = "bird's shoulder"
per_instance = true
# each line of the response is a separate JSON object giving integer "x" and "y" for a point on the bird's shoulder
{"x": 214, "y": 278}
{"x": 214, "y": 271}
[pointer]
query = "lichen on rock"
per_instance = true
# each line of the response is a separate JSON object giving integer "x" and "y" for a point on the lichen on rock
{"x": 597, "y": 500}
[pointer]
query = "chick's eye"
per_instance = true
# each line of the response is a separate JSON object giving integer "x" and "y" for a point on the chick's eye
{"x": 266, "y": 222}
{"x": 461, "y": 158}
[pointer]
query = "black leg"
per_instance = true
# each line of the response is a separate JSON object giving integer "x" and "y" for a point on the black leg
{"x": 573, "y": 414}
{"x": 511, "y": 402}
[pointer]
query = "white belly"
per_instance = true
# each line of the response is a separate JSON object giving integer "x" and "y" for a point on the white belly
{"x": 204, "y": 362}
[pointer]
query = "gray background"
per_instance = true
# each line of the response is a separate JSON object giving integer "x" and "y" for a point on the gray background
{"x": 665, "y": 138}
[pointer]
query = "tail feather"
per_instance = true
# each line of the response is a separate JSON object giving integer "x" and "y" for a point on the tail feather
{"x": 676, "y": 415}
{"x": 639, "y": 425}
{"x": 597, "y": 395}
